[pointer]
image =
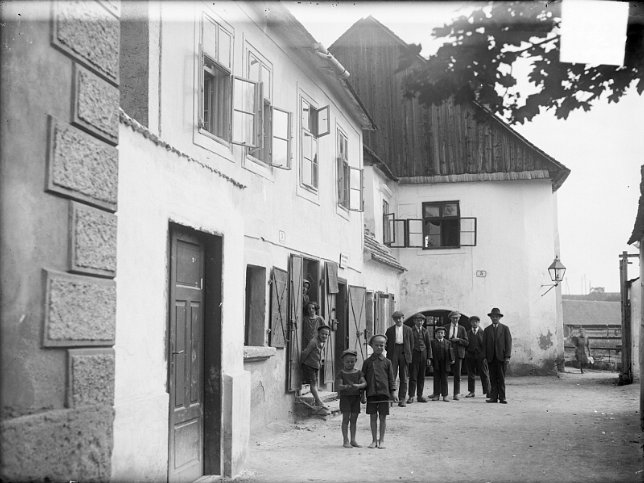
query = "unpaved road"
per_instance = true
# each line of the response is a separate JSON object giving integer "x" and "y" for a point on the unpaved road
{"x": 575, "y": 428}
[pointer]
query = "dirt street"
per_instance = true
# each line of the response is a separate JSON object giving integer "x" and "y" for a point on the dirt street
{"x": 572, "y": 428}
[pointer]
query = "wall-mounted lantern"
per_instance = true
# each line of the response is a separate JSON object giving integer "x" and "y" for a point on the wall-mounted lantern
{"x": 556, "y": 270}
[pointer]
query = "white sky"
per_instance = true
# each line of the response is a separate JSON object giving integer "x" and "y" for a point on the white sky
{"x": 604, "y": 148}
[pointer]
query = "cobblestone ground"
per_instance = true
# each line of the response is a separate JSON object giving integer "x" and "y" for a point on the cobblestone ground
{"x": 575, "y": 428}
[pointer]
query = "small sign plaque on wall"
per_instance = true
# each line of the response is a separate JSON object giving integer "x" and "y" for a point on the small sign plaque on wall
{"x": 344, "y": 260}
{"x": 481, "y": 273}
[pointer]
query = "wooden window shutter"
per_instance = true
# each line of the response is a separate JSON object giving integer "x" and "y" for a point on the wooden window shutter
{"x": 332, "y": 277}
{"x": 293, "y": 375}
{"x": 279, "y": 308}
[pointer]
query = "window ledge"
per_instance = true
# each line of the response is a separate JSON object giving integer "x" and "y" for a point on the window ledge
{"x": 258, "y": 353}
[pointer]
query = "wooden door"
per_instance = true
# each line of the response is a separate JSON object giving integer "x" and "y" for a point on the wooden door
{"x": 357, "y": 322}
{"x": 293, "y": 376}
{"x": 185, "y": 459}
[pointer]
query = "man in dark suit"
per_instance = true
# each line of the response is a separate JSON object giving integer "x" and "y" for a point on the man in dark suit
{"x": 497, "y": 341}
{"x": 420, "y": 354}
{"x": 400, "y": 342}
{"x": 457, "y": 336}
{"x": 475, "y": 360}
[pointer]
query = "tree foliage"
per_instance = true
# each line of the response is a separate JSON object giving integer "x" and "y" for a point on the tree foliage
{"x": 481, "y": 50}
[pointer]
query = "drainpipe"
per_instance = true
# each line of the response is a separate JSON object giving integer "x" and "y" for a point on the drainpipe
{"x": 335, "y": 63}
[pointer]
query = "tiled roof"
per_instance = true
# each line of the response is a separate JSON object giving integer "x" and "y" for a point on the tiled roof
{"x": 591, "y": 312}
{"x": 379, "y": 252}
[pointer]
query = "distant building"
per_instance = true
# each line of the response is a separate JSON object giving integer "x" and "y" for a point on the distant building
{"x": 601, "y": 320}
{"x": 472, "y": 214}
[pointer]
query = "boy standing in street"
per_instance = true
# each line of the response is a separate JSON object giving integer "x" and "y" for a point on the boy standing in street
{"x": 348, "y": 382}
{"x": 381, "y": 386}
{"x": 442, "y": 358}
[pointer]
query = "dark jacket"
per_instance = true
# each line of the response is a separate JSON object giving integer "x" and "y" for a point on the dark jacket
{"x": 424, "y": 336}
{"x": 497, "y": 346}
{"x": 475, "y": 348}
{"x": 448, "y": 352}
{"x": 408, "y": 342}
{"x": 460, "y": 342}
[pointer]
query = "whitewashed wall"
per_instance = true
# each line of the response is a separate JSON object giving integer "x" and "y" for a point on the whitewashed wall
{"x": 516, "y": 242}
{"x": 271, "y": 218}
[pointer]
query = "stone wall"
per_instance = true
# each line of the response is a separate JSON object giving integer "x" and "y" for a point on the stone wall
{"x": 60, "y": 120}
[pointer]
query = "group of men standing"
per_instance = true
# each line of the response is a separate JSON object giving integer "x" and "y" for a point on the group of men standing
{"x": 485, "y": 352}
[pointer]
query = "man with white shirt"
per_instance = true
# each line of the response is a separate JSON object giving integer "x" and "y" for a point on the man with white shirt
{"x": 400, "y": 342}
{"x": 475, "y": 361}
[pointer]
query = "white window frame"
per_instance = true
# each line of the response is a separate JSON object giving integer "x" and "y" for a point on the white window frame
{"x": 267, "y": 138}
{"x": 219, "y": 57}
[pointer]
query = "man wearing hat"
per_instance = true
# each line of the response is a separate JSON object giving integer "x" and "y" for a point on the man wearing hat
{"x": 400, "y": 342}
{"x": 418, "y": 359}
{"x": 497, "y": 343}
{"x": 457, "y": 336}
{"x": 442, "y": 356}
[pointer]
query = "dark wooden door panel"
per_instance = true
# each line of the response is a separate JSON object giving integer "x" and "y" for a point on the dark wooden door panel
{"x": 186, "y": 358}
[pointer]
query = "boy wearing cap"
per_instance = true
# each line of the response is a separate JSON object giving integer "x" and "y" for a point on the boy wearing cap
{"x": 457, "y": 336}
{"x": 311, "y": 360}
{"x": 381, "y": 387}
{"x": 442, "y": 358}
{"x": 420, "y": 354}
{"x": 348, "y": 382}
{"x": 400, "y": 342}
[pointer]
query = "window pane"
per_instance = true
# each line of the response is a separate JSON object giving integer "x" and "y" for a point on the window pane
{"x": 266, "y": 79}
{"x": 280, "y": 124}
{"x": 307, "y": 172}
{"x": 314, "y": 168}
{"x": 243, "y": 125}
{"x": 209, "y": 39}
{"x": 216, "y": 100}
{"x": 415, "y": 228}
{"x": 399, "y": 233}
{"x": 244, "y": 96}
{"x": 450, "y": 209}
{"x": 451, "y": 232}
{"x": 305, "y": 115}
{"x": 433, "y": 227}
{"x": 322, "y": 121}
{"x": 254, "y": 68}
{"x": 431, "y": 211}
{"x": 468, "y": 239}
{"x": 280, "y": 152}
{"x": 307, "y": 146}
{"x": 356, "y": 189}
{"x": 224, "y": 48}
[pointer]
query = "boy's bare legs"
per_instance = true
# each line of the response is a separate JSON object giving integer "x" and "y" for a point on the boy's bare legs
{"x": 316, "y": 396}
{"x": 345, "y": 430}
{"x": 354, "y": 421}
{"x": 383, "y": 427}
{"x": 374, "y": 430}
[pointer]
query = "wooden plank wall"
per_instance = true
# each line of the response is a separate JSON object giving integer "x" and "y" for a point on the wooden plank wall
{"x": 419, "y": 141}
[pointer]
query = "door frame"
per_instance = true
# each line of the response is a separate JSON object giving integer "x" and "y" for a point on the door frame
{"x": 211, "y": 330}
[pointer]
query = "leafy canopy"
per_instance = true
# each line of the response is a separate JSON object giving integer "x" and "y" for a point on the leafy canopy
{"x": 483, "y": 48}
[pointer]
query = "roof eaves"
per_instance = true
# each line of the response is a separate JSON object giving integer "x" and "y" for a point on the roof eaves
{"x": 561, "y": 171}
{"x": 292, "y": 28}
